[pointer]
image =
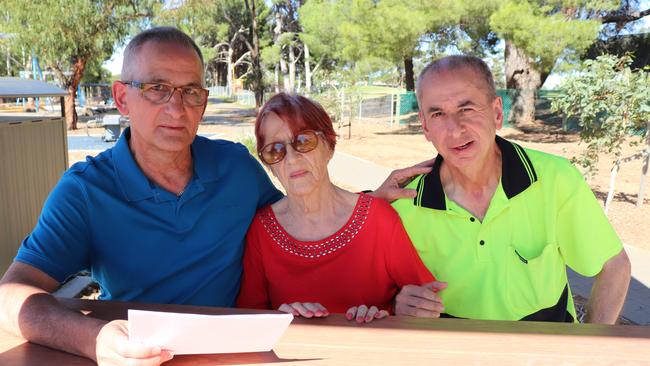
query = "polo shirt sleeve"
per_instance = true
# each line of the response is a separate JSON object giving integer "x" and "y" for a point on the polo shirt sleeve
{"x": 585, "y": 236}
{"x": 59, "y": 245}
{"x": 268, "y": 193}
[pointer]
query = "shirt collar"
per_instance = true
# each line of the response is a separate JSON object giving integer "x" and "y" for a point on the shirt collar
{"x": 517, "y": 174}
{"x": 136, "y": 186}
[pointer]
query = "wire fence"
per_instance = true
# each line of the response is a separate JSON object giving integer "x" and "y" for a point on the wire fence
{"x": 386, "y": 108}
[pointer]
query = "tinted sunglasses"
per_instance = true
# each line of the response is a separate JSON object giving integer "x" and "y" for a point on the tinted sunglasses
{"x": 305, "y": 141}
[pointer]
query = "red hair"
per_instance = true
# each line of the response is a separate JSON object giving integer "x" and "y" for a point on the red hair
{"x": 299, "y": 113}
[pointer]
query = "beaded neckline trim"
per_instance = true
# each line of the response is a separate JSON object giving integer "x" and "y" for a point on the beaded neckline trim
{"x": 321, "y": 248}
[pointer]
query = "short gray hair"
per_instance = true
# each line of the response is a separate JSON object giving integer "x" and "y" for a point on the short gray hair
{"x": 156, "y": 35}
{"x": 455, "y": 62}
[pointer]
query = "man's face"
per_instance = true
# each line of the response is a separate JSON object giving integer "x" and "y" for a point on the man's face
{"x": 459, "y": 117}
{"x": 169, "y": 126}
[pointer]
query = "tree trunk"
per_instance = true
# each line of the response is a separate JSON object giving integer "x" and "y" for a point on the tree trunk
{"x": 292, "y": 69}
{"x": 409, "y": 78}
{"x": 307, "y": 70}
{"x": 276, "y": 77}
{"x": 277, "y": 32}
{"x": 522, "y": 75}
{"x": 231, "y": 73}
{"x": 73, "y": 83}
{"x": 70, "y": 111}
{"x": 285, "y": 72}
{"x": 8, "y": 62}
{"x": 644, "y": 169}
{"x": 257, "y": 81}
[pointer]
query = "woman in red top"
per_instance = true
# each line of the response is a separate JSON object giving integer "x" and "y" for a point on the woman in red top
{"x": 321, "y": 248}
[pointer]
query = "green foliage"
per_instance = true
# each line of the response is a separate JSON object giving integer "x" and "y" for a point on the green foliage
{"x": 546, "y": 30}
{"x": 251, "y": 144}
{"x": 611, "y": 103}
{"x": 64, "y": 33}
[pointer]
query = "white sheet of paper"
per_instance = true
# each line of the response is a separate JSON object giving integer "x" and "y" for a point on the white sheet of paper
{"x": 198, "y": 333}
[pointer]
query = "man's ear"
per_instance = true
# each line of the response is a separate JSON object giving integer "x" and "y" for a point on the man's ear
{"x": 119, "y": 96}
{"x": 498, "y": 112}
{"x": 423, "y": 121}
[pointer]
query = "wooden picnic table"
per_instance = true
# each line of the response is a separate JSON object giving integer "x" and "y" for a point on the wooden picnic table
{"x": 392, "y": 341}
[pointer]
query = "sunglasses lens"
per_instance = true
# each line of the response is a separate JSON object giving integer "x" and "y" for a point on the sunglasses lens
{"x": 306, "y": 141}
{"x": 272, "y": 153}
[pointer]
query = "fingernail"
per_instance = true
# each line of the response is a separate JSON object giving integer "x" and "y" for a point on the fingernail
{"x": 359, "y": 319}
{"x": 319, "y": 313}
{"x": 349, "y": 316}
{"x": 368, "y": 318}
{"x": 309, "y": 314}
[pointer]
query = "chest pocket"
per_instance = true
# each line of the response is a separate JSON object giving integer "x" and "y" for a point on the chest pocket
{"x": 535, "y": 283}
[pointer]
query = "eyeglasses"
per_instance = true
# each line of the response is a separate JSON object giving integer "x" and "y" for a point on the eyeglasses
{"x": 303, "y": 142}
{"x": 161, "y": 93}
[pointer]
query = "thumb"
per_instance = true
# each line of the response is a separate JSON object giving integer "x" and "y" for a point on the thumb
{"x": 436, "y": 286}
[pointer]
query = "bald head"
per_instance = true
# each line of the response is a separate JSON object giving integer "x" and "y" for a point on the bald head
{"x": 455, "y": 63}
{"x": 168, "y": 35}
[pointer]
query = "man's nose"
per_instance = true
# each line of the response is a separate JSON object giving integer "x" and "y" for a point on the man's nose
{"x": 175, "y": 102}
{"x": 455, "y": 124}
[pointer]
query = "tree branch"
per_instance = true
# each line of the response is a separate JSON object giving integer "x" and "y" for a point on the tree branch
{"x": 624, "y": 17}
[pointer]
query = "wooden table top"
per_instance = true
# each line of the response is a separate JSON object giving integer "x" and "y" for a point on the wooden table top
{"x": 395, "y": 340}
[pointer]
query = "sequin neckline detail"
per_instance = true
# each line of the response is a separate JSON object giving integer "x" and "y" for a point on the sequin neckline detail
{"x": 320, "y": 248}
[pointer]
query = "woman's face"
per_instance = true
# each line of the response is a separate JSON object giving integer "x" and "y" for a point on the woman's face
{"x": 299, "y": 173}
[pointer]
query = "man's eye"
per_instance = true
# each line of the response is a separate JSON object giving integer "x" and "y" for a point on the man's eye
{"x": 190, "y": 91}
{"x": 158, "y": 87}
{"x": 465, "y": 110}
{"x": 436, "y": 114}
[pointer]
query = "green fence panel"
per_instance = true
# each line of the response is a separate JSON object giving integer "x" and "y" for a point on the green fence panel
{"x": 408, "y": 103}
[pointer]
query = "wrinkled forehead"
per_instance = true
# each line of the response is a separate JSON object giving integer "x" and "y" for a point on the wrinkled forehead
{"x": 169, "y": 62}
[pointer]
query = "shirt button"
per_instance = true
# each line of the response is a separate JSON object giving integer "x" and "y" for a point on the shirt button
{"x": 472, "y": 219}
{"x": 482, "y": 242}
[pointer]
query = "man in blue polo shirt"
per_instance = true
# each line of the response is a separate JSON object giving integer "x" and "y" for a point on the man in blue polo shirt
{"x": 160, "y": 217}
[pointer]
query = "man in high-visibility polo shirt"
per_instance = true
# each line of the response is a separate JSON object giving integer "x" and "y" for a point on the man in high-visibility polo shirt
{"x": 500, "y": 223}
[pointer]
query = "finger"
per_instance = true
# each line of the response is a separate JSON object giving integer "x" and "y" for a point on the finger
{"x": 313, "y": 308}
{"x": 404, "y": 174}
{"x": 404, "y": 193}
{"x": 420, "y": 313}
{"x": 130, "y": 349}
{"x": 302, "y": 310}
{"x": 426, "y": 163}
{"x": 371, "y": 314}
{"x": 322, "y": 309}
{"x": 381, "y": 314}
{"x": 418, "y": 303}
{"x": 288, "y": 309}
{"x": 421, "y": 291}
{"x": 349, "y": 315}
{"x": 361, "y": 313}
{"x": 436, "y": 286}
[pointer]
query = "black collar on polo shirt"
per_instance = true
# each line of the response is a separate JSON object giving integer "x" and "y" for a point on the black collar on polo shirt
{"x": 517, "y": 174}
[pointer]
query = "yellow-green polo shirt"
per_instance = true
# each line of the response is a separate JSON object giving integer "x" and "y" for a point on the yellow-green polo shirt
{"x": 512, "y": 265}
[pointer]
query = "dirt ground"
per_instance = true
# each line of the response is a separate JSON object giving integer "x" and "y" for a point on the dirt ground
{"x": 404, "y": 145}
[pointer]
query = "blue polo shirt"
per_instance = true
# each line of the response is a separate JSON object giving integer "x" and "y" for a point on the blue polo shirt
{"x": 143, "y": 243}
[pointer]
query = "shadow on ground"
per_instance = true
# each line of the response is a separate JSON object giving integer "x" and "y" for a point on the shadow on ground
{"x": 619, "y": 196}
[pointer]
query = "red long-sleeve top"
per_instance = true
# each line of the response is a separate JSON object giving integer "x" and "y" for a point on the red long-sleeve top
{"x": 366, "y": 262}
